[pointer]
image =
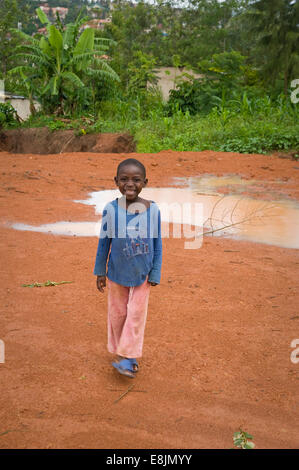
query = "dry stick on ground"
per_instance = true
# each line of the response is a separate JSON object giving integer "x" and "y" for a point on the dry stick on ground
{"x": 125, "y": 393}
{"x": 249, "y": 217}
{"x": 46, "y": 284}
{"x": 6, "y": 432}
{"x": 211, "y": 216}
{"x": 120, "y": 389}
{"x": 12, "y": 430}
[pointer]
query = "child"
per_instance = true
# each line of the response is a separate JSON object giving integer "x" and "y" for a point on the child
{"x": 131, "y": 230}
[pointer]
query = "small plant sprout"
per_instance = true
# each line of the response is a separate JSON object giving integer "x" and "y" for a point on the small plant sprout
{"x": 241, "y": 440}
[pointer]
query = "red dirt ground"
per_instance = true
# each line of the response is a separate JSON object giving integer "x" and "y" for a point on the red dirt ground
{"x": 219, "y": 331}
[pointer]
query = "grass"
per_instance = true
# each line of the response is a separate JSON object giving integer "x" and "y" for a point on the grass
{"x": 243, "y": 134}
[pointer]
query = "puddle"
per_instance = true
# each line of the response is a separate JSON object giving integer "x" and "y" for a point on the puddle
{"x": 209, "y": 184}
{"x": 79, "y": 229}
{"x": 235, "y": 216}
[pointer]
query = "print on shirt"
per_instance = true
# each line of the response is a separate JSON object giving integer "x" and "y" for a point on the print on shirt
{"x": 135, "y": 246}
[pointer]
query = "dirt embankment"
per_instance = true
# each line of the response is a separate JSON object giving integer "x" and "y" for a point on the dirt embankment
{"x": 44, "y": 141}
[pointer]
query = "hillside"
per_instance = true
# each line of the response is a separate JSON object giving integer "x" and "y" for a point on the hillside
{"x": 67, "y": 9}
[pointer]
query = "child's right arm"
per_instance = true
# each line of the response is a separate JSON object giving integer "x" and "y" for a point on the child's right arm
{"x": 102, "y": 252}
{"x": 101, "y": 283}
{"x": 101, "y": 262}
{"x": 102, "y": 256}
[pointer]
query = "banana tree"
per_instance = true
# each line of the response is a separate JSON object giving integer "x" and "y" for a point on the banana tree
{"x": 61, "y": 64}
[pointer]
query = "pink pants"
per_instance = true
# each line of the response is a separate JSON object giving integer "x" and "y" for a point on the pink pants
{"x": 127, "y": 312}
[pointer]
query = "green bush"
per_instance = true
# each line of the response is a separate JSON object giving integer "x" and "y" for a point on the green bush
{"x": 8, "y": 114}
{"x": 222, "y": 130}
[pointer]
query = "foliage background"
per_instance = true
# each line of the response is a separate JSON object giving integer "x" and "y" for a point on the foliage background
{"x": 245, "y": 50}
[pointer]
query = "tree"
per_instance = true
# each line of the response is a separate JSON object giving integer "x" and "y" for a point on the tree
{"x": 130, "y": 29}
{"x": 225, "y": 68}
{"x": 163, "y": 29}
{"x": 275, "y": 22}
{"x": 142, "y": 73}
{"x": 224, "y": 79}
{"x": 9, "y": 17}
{"x": 63, "y": 64}
{"x": 202, "y": 29}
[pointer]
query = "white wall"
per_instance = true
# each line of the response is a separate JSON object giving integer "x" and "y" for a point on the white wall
{"x": 167, "y": 77}
{"x": 22, "y": 106}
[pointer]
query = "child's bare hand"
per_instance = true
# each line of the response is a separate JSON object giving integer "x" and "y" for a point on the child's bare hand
{"x": 101, "y": 283}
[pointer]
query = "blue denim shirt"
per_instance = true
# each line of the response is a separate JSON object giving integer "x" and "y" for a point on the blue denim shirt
{"x": 135, "y": 245}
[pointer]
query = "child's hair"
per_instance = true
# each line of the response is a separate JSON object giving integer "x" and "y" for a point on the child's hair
{"x": 131, "y": 161}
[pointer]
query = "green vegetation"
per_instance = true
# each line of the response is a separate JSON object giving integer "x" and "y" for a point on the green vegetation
{"x": 243, "y": 440}
{"x": 8, "y": 115}
{"x": 104, "y": 80}
{"x": 244, "y": 126}
{"x": 255, "y": 134}
{"x": 62, "y": 65}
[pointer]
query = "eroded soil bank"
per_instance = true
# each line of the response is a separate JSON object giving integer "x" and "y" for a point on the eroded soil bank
{"x": 44, "y": 141}
{"x": 217, "y": 352}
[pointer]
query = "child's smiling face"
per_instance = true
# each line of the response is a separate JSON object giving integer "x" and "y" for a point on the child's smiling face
{"x": 130, "y": 181}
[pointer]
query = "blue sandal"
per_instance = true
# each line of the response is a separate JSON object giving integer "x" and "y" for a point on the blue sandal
{"x": 125, "y": 367}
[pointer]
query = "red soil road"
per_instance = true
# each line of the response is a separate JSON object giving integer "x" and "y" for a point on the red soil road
{"x": 219, "y": 331}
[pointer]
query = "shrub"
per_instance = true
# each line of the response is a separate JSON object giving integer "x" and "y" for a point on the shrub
{"x": 8, "y": 114}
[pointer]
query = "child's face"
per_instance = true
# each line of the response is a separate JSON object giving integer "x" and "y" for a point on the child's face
{"x": 130, "y": 181}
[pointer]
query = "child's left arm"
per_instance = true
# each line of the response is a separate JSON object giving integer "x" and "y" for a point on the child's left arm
{"x": 155, "y": 273}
